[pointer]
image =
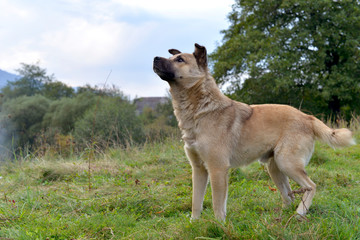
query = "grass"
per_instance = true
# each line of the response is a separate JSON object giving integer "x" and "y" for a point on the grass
{"x": 145, "y": 193}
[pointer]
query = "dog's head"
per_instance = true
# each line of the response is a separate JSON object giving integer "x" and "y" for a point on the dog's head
{"x": 183, "y": 68}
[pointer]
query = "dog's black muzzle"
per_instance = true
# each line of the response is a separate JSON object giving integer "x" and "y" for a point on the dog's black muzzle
{"x": 163, "y": 68}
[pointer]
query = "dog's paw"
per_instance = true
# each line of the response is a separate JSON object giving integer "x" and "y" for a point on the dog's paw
{"x": 192, "y": 220}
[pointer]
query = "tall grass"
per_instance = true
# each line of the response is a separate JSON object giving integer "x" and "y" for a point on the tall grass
{"x": 353, "y": 124}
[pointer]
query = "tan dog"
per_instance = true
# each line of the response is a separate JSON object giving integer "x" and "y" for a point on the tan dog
{"x": 220, "y": 133}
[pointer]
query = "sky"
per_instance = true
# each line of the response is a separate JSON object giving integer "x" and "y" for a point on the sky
{"x": 110, "y": 42}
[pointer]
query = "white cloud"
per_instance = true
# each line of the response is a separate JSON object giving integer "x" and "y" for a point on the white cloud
{"x": 21, "y": 51}
{"x": 68, "y": 38}
{"x": 81, "y": 42}
{"x": 200, "y": 9}
{"x": 12, "y": 10}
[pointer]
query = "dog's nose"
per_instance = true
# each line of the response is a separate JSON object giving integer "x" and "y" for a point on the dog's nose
{"x": 156, "y": 58}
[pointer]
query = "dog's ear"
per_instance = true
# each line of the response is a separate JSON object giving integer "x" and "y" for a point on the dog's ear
{"x": 200, "y": 55}
{"x": 174, "y": 51}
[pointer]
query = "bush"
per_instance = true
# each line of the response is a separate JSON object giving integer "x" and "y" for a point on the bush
{"x": 21, "y": 119}
{"x": 159, "y": 123}
{"x": 65, "y": 112}
{"x": 159, "y": 129}
{"x": 111, "y": 121}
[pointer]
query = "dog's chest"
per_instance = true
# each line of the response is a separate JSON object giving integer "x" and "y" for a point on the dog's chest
{"x": 187, "y": 124}
{"x": 189, "y": 136}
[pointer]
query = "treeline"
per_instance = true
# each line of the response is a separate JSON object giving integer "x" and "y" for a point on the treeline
{"x": 41, "y": 114}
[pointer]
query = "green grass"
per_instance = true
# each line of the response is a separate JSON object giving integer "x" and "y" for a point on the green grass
{"x": 145, "y": 193}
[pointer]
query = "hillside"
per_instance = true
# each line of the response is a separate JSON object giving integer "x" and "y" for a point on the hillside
{"x": 145, "y": 193}
{"x": 5, "y": 77}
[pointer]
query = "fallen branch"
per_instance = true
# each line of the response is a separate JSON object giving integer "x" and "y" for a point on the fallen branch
{"x": 301, "y": 190}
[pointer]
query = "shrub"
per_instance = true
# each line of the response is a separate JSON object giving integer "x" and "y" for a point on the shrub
{"x": 159, "y": 123}
{"x": 111, "y": 121}
{"x": 65, "y": 112}
{"x": 21, "y": 119}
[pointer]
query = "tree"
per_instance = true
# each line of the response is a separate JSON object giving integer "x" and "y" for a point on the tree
{"x": 56, "y": 90}
{"x": 303, "y": 53}
{"x": 35, "y": 80}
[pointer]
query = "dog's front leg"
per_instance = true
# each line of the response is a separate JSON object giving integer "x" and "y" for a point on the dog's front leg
{"x": 219, "y": 187}
{"x": 199, "y": 182}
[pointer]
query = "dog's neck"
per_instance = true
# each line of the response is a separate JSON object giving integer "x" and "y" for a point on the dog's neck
{"x": 191, "y": 104}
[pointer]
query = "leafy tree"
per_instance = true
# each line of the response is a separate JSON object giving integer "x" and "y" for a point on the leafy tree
{"x": 57, "y": 90}
{"x": 30, "y": 83}
{"x": 34, "y": 80}
{"x": 304, "y": 53}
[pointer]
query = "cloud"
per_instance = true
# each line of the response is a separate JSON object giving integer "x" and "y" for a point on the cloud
{"x": 83, "y": 43}
{"x": 80, "y": 41}
{"x": 199, "y": 9}
{"x": 64, "y": 36}
{"x": 13, "y": 10}
{"x": 16, "y": 55}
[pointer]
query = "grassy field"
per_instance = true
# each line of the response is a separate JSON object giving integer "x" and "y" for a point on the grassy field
{"x": 145, "y": 193}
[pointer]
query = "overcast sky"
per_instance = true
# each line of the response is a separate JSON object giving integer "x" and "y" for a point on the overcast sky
{"x": 82, "y": 41}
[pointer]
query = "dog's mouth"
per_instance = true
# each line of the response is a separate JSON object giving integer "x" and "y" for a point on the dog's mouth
{"x": 163, "y": 69}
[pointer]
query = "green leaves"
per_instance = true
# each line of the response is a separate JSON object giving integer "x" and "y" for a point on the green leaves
{"x": 110, "y": 121}
{"x": 284, "y": 51}
{"x": 21, "y": 117}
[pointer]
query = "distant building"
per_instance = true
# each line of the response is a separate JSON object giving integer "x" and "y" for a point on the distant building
{"x": 151, "y": 102}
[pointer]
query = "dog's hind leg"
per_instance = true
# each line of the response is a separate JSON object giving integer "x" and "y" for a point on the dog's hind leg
{"x": 199, "y": 182}
{"x": 291, "y": 160}
{"x": 300, "y": 176}
{"x": 281, "y": 181}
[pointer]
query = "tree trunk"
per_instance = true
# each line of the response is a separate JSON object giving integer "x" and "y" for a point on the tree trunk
{"x": 334, "y": 105}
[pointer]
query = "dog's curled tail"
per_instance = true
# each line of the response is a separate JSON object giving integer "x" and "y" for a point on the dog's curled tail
{"x": 342, "y": 137}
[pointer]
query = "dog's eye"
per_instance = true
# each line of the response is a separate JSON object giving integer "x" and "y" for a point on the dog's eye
{"x": 179, "y": 59}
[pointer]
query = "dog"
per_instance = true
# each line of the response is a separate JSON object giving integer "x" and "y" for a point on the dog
{"x": 220, "y": 133}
